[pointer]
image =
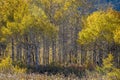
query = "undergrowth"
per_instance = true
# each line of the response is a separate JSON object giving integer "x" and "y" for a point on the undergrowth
{"x": 6, "y": 66}
{"x": 108, "y": 69}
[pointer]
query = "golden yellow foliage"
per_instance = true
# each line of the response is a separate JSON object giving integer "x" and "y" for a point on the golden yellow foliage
{"x": 66, "y": 5}
{"x": 103, "y": 25}
{"x": 108, "y": 68}
{"x": 117, "y": 35}
{"x": 7, "y": 67}
{"x": 57, "y": 15}
{"x": 17, "y": 69}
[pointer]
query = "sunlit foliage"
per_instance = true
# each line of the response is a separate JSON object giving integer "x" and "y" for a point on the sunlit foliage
{"x": 102, "y": 25}
{"x": 109, "y": 69}
{"x": 7, "y": 67}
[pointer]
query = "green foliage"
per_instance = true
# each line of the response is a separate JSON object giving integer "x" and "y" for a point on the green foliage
{"x": 108, "y": 68}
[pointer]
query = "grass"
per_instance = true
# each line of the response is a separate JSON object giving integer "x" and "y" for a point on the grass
{"x": 49, "y": 77}
{"x": 51, "y": 72}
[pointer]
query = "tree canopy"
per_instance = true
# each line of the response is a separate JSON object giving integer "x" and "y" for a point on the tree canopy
{"x": 102, "y": 25}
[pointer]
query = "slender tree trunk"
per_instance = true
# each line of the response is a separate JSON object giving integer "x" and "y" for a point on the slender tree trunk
{"x": 0, "y": 50}
{"x": 60, "y": 45}
{"x": 33, "y": 54}
{"x": 13, "y": 54}
{"x": 64, "y": 54}
{"x": 37, "y": 48}
{"x": 44, "y": 50}
{"x": 20, "y": 52}
{"x": 17, "y": 52}
{"x": 94, "y": 53}
{"x": 47, "y": 50}
{"x": 25, "y": 54}
{"x": 53, "y": 50}
{"x": 28, "y": 55}
{"x": 83, "y": 55}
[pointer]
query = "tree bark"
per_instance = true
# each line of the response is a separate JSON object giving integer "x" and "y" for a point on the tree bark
{"x": 53, "y": 50}
{"x": 37, "y": 48}
{"x": 13, "y": 54}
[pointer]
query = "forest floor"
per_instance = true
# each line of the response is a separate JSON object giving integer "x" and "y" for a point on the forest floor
{"x": 48, "y": 77}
